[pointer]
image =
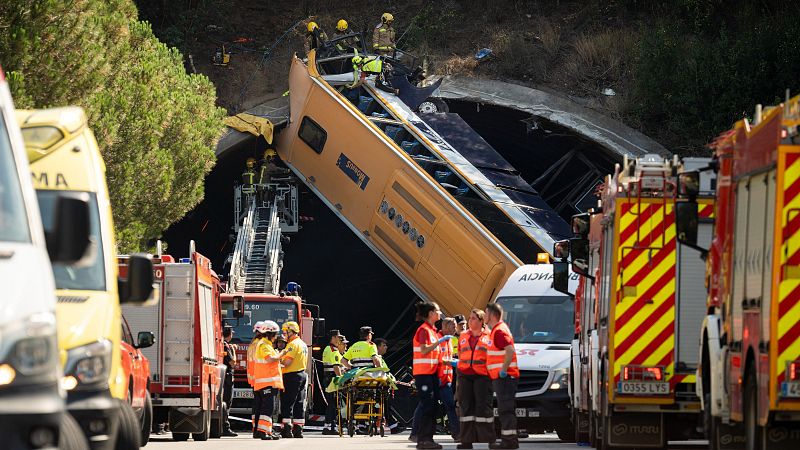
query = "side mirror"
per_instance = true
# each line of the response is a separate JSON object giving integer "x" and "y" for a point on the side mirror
{"x": 686, "y": 222}
{"x": 580, "y": 225}
{"x": 146, "y": 339}
{"x": 689, "y": 184}
{"x": 579, "y": 249}
{"x": 319, "y": 328}
{"x": 70, "y": 237}
{"x": 561, "y": 249}
{"x": 138, "y": 288}
{"x": 561, "y": 277}
{"x": 238, "y": 306}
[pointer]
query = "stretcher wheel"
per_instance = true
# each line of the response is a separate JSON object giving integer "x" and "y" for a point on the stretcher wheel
{"x": 383, "y": 431}
{"x": 351, "y": 427}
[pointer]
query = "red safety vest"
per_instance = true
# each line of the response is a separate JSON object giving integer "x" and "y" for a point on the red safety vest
{"x": 425, "y": 364}
{"x": 475, "y": 358}
{"x": 495, "y": 356}
{"x": 445, "y": 358}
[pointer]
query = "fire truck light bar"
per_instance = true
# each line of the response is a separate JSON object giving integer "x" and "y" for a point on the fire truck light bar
{"x": 642, "y": 373}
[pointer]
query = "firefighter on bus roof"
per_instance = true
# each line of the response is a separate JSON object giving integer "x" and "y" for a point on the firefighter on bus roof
{"x": 295, "y": 380}
{"x": 267, "y": 380}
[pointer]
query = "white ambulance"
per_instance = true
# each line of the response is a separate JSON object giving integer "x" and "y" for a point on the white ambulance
{"x": 542, "y": 321}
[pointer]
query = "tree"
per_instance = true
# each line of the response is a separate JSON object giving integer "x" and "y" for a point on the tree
{"x": 156, "y": 125}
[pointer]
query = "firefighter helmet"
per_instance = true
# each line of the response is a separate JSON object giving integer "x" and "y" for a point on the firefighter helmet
{"x": 311, "y": 26}
{"x": 259, "y": 327}
{"x": 291, "y": 326}
{"x": 270, "y": 152}
{"x": 251, "y": 162}
{"x": 387, "y": 17}
{"x": 341, "y": 25}
{"x": 271, "y": 327}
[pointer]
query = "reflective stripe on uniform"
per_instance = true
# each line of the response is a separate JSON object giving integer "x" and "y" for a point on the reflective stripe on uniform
{"x": 425, "y": 361}
{"x": 508, "y": 432}
{"x": 267, "y": 380}
{"x": 466, "y": 419}
{"x": 299, "y": 421}
{"x": 484, "y": 419}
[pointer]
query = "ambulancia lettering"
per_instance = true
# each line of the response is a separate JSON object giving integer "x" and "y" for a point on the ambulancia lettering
{"x": 43, "y": 180}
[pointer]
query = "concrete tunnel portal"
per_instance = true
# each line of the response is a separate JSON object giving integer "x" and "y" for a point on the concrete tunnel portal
{"x": 341, "y": 274}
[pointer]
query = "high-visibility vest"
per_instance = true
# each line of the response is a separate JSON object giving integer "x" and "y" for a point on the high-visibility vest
{"x": 495, "y": 356}
{"x": 330, "y": 359}
{"x": 427, "y": 364}
{"x": 266, "y": 373}
{"x": 445, "y": 358}
{"x": 475, "y": 358}
{"x": 251, "y": 356}
{"x": 360, "y": 354}
{"x": 454, "y": 344}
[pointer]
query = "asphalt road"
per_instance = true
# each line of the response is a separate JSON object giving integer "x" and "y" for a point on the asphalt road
{"x": 315, "y": 441}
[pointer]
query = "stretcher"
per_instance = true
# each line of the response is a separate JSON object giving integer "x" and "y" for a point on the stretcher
{"x": 364, "y": 392}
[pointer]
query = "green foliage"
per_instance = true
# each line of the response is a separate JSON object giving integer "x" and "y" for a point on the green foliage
{"x": 156, "y": 125}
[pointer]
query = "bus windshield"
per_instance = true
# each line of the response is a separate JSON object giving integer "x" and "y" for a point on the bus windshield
{"x": 539, "y": 320}
{"x": 280, "y": 312}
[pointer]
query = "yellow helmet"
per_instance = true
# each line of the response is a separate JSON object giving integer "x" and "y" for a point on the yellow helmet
{"x": 270, "y": 152}
{"x": 387, "y": 17}
{"x": 251, "y": 162}
{"x": 341, "y": 25}
{"x": 291, "y": 325}
{"x": 311, "y": 26}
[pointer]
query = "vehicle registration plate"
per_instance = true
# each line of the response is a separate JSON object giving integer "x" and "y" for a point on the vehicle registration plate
{"x": 521, "y": 412}
{"x": 643, "y": 387}
{"x": 790, "y": 389}
{"x": 242, "y": 393}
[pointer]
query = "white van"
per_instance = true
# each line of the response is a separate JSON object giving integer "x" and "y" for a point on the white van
{"x": 32, "y": 412}
{"x": 542, "y": 321}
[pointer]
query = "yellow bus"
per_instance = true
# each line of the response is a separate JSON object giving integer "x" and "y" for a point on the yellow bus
{"x": 64, "y": 158}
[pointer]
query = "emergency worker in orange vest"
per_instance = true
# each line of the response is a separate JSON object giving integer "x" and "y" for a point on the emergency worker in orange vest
{"x": 425, "y": 370}
{"x": 501, "y": 360}
{"x": 251, "y": 357}
{"x": 474, "y": 388}
{"x": 446, "y": 364}
{"x": 267, "y": 380}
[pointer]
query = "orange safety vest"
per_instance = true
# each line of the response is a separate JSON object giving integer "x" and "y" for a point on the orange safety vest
{"x": 445, "y": 359}
{"x": 251, "y": 356}
{"x": 266, "y": 373}
{"x": 475, "y": 358}
{"x": 425, "y": 364}
{"x": 495, "y": 356}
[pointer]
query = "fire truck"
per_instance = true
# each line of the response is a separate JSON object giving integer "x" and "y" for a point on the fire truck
{"x": 749, "y": 375}
{"x": 186, "y": 369}
{"x": 634, "y": 358}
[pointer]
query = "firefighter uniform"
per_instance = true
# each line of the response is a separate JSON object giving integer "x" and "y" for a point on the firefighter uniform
{"x": 295, "y": 380}
{"x": 267, "y": 381}
{"x": 474, "y": 389}
{"x": 383, "y": 36}
{"x": 315, "y": 38}
{"x": 505, "y": 387}
{"x": 249, "y": 177}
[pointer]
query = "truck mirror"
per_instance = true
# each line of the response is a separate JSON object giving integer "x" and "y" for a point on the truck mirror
{"x": 70, "y": 237}
{"x": 319, "y": 327}
{"x": 561, "y": 277}
{"x": 138, "y": 288}
{"x": 238, "y": 306}
{"x": 686, "y": 222}
{"x": 145, "y": 339}
{"x": 689, "y": 184}
{"x": 579, "y": 249}
{"x": 580, "y": 225}
{"x": 561, "y": 249}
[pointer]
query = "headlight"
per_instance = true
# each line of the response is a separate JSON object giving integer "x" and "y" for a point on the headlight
{"x": 89, "y": 364}
{"x": 560, "y": 379}
{"x": 28, "y": 350}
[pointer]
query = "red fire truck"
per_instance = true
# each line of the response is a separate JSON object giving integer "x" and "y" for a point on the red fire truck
{"x": 281, "y": 309}
{"x": 186, "y": 369}
{"x": 749, "y": 376}
{"x": 634, "y": 361}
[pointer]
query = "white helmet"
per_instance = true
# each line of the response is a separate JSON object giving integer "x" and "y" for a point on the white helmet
{"x": 260, "y": 327}
{"x": 270, "y": 327}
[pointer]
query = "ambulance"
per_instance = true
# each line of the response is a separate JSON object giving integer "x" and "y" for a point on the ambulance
{"x": 542, "y": 322}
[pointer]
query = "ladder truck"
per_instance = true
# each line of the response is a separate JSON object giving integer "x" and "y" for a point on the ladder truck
{"x": 749, "y": 374}
{"x": 632, "y": 383}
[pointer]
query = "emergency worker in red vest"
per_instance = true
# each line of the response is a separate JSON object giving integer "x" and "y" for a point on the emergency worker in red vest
{"x": 501, "y": 360}
{"x": 251, "y": 358}
{"x": 267, "y": 380}
{"x": 425, "y": 369}
{"x": 474, "y": 388}
{"x": 446, "y": 364}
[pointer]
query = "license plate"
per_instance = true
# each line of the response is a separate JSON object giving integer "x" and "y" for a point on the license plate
{"x": 242, "y": 393}
{"x": 533, "y": 413}
{"x": 643, "y": 388}
{"x": 790, "y": 389}
{"x": 521, "y": 412}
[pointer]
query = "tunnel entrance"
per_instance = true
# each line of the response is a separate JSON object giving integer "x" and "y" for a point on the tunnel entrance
{"x": 352, "y": 286}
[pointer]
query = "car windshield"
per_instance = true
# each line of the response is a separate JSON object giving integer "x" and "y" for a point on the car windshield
{"x": 90, "y": 276}
{"x": 13, "y": 219}
{"x": 280, "y": 312}
{"x": 539, "y": 320}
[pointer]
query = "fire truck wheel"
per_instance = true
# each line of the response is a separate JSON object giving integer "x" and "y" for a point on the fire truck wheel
{"x": 752, "y": 429}
{"x": 206, "y": 427}
{"x": 709, "y": 424}
{"x": 147, "y": 418}
{"x": 129, "y": 434}
{"x": 71, "y": 437}
{"x": 592, "y": 429}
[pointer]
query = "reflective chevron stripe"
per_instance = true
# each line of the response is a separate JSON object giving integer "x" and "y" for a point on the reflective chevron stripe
{"x": 786, "y": 330}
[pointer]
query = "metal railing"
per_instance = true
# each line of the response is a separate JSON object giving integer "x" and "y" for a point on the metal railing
{"x": 241, "y": 253}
